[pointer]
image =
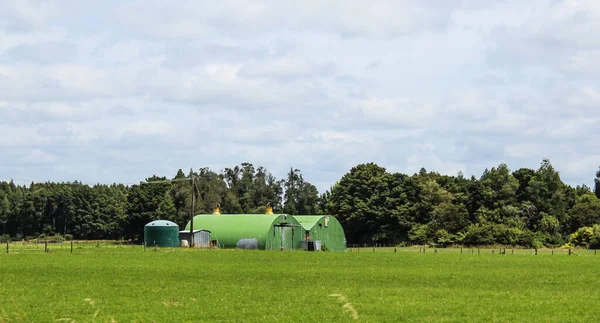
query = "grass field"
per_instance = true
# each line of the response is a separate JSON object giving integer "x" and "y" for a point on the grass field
{"x": 127, "y": 284}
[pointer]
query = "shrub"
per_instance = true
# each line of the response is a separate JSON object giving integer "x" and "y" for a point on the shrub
{"x": 479, "y": 235}
{"x": 444, "y": 238}
{"x": 51, "y": 239}
{"x": 419, "y": 234}
{"x": 581, "y": 237}
{"x": 4, "y": 238}
{"x": 531, "y": 239}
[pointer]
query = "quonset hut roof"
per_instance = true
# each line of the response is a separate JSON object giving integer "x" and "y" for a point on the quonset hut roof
{"x": 228, "y": 229}
{"x": 308, "y": 221}
{"x": 324, "y": 228}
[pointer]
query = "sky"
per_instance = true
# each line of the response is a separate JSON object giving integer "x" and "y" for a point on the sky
{"x": 118, "y": 91}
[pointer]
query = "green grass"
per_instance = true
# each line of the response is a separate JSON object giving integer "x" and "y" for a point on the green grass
{"x": 126, "y": 284}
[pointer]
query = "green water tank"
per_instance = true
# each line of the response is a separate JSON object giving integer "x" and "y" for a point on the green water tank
{"x": 161, "y": 233}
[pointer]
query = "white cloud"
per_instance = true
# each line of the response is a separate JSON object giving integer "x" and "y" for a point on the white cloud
{"x": 147, "y": 127}
{"x": 584, "y": 62}
{"x": 522, "y": 150}
{"x": 400, "y": 112}
{"x": 114, "y": 92}
{"x": 586, "y": 97}
{"x": 37, "y": 156}
{"x": 190, "y": 20}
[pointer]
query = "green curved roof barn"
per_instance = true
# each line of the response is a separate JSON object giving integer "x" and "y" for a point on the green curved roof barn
{"x": 324, "y": 228}
{"x": 252, "y": 231}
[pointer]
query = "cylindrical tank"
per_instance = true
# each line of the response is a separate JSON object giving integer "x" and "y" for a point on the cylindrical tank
{"x": 161, "y": 233}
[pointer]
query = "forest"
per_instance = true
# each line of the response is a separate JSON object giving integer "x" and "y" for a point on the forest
{"x": 525, "y": 207}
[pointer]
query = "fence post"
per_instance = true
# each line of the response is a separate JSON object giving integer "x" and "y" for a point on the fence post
{"x": 46, "y": 246}
{"x": 7, "y": 247}
{"x": 569, "y": 251}
{"x": 144, "y": 246}
{"x": 71, "y": 246}
{"x": 394, "y": 250}
{"x": 461, "y": 250}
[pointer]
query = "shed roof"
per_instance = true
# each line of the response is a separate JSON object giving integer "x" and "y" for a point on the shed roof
{"x": 308, "y": 221}
{"x": 195, "y": 231}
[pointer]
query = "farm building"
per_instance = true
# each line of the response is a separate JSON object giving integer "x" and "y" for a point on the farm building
{"x": 251, "y": 231}
{"x": 201, "y": 238}
{"x": 325, "y": 229}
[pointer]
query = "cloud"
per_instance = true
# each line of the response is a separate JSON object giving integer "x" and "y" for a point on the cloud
{"x": 287, "y": 67}
{"x": 397, "y": 112}
{"x": 46, "y": 52}
{"x": 116, "y": 92}
{"x": 188, "y": 20}
{"x": 147, "y": 127}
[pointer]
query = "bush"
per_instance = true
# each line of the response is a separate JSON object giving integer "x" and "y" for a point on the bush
{"x": 51, "y": 239}
{"x": 479, "y": 235}
{"x": 419, "y": 234}
{"x": 595, "y": 238}
{"x": 531, "y": 239}
{"x": 584, "y": 236}
{"x": 4, "y": 238}
{"x": 444, "y": 238}
{"x": 68, "y": 237}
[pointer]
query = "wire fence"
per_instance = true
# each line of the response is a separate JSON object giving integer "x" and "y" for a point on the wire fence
{"x": 24, "y": 247}
{"x": 477, "y": 250}
{"x": 65, "y": 247}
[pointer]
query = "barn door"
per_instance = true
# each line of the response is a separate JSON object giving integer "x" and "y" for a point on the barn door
{"x": 283, "y": 237}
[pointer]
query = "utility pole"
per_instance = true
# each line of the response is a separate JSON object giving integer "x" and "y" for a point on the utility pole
{"x": 192, "y": 211}
{"x": 192, "y": 180}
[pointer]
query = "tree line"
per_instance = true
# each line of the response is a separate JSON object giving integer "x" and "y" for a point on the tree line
{"x": 527, "y": 207}
{"x": 119, "y": 212}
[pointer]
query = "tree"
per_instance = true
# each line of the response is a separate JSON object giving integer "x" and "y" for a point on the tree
{"x": 586, "y": 212}
{"x": 597, "y": 183}
{"x": 300, "y": 197}
{"x": 4, "y": 212}
{"x": 359, "y": 203}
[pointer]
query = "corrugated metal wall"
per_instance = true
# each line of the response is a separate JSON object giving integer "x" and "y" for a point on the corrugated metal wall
{"x": 201, "y": 238}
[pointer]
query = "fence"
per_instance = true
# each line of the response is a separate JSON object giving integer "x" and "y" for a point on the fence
{"x": 476, "y": 250}
{"x": 64, "y": 247}
{"x": 82, "y": 246}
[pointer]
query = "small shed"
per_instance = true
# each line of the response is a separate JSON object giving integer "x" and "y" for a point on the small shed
{"x": 322, "y": 232}
{"x": 201, "y": 237}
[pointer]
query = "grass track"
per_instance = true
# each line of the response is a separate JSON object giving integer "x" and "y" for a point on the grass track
{"x": 130, "y": 285}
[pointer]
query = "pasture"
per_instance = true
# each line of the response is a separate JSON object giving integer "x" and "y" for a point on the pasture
{"x": 128, "y": 284}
